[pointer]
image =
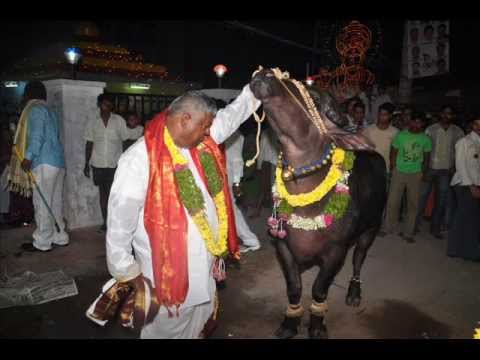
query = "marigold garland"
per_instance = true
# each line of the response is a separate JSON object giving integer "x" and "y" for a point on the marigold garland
{"x": 320, "y": 191}
{"x": 192, "y": 197}
{"x": 334, "y": 209}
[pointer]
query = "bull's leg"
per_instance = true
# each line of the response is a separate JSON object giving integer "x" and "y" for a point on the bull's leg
{"x": 332, "y": 262}
{"x": 354, "y": 289}
{"x": 293, "y": 315}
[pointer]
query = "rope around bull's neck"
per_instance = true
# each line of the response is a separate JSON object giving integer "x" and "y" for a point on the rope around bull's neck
{"x": 311, "y": 111}
{"x": 257, "y": 142}
{"x": 259, "y": 121}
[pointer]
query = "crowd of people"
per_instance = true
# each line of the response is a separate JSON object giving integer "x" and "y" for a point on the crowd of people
{"x": 432, "y": 172}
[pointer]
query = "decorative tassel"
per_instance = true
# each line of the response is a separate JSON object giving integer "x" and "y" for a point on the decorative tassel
{"x": 282, "y": 233}
{"x": 273, "y": 232}
{"x": 219, "y": 272}
{"x": 276, "y": 222}
{"x": 272, "y": 221}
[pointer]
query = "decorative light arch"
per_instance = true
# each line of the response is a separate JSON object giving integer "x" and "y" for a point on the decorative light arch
{"x": 351, "y": 76}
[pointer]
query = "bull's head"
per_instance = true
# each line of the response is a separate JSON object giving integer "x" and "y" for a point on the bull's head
{"x": 290, "y": 121}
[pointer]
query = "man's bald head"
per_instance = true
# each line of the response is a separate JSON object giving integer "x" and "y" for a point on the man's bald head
{"x": 192, "y": 101}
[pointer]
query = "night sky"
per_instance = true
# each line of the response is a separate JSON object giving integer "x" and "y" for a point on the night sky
{"x": 191, "y": 48}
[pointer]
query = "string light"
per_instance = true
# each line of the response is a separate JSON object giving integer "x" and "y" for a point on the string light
{"x": 99, "y": 58}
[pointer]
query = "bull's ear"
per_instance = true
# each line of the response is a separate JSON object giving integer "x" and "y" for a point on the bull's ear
{"x": 350, "y": 141}
{"x": 336, "y": 116}
{"x": 333, "y": 111}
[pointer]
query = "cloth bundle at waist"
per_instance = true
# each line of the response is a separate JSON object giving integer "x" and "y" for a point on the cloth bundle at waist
{"x": 134, "y": 301}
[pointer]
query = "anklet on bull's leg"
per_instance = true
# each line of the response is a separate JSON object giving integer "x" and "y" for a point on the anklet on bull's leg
{"x": 294, "y": 310}
{"x": 355, "y": 279}
{"x": 319, "y": 309}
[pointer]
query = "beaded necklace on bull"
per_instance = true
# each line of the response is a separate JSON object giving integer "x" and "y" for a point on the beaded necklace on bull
{"x": 341, "y": 164}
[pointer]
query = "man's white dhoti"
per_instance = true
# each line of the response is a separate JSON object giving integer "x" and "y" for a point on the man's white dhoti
{"x": 50, "y": 181}
{"x": 235, "y": 163}
{"x": 188, "y": 325}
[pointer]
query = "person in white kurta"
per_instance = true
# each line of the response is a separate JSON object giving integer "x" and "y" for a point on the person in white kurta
{"x": 105, "y": 134}
{"x": 381, "y": 97}
{"x": 235, "y": 162}
{"x": 266, "y": 165}
{"x": 464, "y": 236}
{"x": 128, "y": 245}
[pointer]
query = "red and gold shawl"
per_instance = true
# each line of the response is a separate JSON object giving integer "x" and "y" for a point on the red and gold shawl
{"x": 165, "y": 218}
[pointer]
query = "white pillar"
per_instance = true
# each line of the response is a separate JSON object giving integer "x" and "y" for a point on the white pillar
{"x": 75, "y": 102}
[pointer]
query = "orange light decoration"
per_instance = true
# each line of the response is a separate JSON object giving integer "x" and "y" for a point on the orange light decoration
{"x": 100, "y": 57}
{"x": 350, "y": 77}
{"x": 353, "y": 41}
{"x": 96, "y": 58}
{"x": 220, "y": 70}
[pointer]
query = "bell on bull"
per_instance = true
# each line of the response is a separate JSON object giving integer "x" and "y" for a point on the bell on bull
{"x": 287, "y": 175}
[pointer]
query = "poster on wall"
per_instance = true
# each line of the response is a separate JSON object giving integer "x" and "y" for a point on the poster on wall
{"x": 428, "y": 48}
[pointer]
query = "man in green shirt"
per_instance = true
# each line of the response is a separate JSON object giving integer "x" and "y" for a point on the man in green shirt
{"x": 409, "y": 158}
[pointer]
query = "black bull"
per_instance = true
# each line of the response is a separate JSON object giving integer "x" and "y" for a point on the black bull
{"x": 302, "y": 143}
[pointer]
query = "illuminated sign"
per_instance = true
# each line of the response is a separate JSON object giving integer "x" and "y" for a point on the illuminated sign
{"x": 139, "y": 86}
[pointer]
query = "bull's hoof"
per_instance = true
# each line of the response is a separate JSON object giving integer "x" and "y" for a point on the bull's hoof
{"x": 289, "y": 328}
{"x": 317, "y": 328}
{"x": 354, "y": 294}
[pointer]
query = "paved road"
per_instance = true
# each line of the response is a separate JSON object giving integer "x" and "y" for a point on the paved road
{"x": 409, "y": 291}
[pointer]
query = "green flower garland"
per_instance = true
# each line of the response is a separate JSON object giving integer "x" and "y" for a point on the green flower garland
{"x": 192, "y": 199}
{"x": 215, "y": 183}
{"x": 190, "y": 194}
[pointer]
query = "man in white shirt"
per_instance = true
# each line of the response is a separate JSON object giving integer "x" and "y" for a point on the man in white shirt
{"x": 358, "y": 121}
{"x": 349, "y": 110}
{"x": 174, "y": 256}
{"x": 235, "y": 163}
{"x": 382, "y": 133}
{"x": 467, "y": 160}
{"x": 105, "y": 135}
{"x": 133, "y": 121}
{"x": 369, "y": 115}
{"x": 464, "y": 236}
{"x": 444, "y": 135}
{"x": 266, "y": 165}
{"x": 381, "y": 99}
